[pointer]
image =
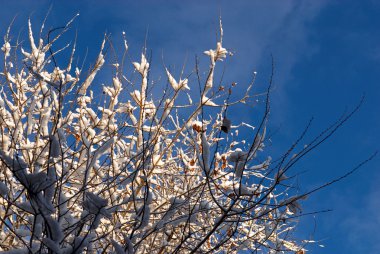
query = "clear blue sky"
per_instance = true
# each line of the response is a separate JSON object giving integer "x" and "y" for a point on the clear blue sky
{"x": 327, "y": 54}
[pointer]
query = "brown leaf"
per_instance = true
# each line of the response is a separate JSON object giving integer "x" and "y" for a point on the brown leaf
{"x": 197, "y": 128}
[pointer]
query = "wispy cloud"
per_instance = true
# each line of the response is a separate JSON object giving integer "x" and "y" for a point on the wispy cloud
{"x": 362, "y": 223}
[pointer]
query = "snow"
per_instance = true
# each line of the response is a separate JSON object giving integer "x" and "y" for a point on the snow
{"x": 237, "y": 155}
{"x": 55, "y": 147}
{"x": 96, "y": 205}
{"x": 205, "y": 159}
{"x": 208, "y": 102}
{"x": 143, "y": 66}
{"x": 52, "y": 245}
{"x": 6, "y": 48}
{"x": 38, "y": 182}
{"x": 118, "y": 248}
{"x": 3, "y": 189}
{"x": 182, "y": 84}
{"x": 18, "y": 251}
{"x": 90, "y": 78}
{"x": 129, "y": 172}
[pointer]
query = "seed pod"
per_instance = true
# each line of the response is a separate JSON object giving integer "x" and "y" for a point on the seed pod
{"x": 226, "y": 125}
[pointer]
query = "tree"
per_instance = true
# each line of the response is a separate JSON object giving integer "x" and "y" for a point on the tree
{"x": 140, "y": 176}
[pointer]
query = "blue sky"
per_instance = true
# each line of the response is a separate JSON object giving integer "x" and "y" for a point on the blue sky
{"x": 327, "y": 55}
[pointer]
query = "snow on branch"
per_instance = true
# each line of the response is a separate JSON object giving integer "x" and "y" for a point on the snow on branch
{"x": 132, "y": 173}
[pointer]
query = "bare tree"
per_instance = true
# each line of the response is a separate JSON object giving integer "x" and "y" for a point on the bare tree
{"x": 140, "y": 176}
